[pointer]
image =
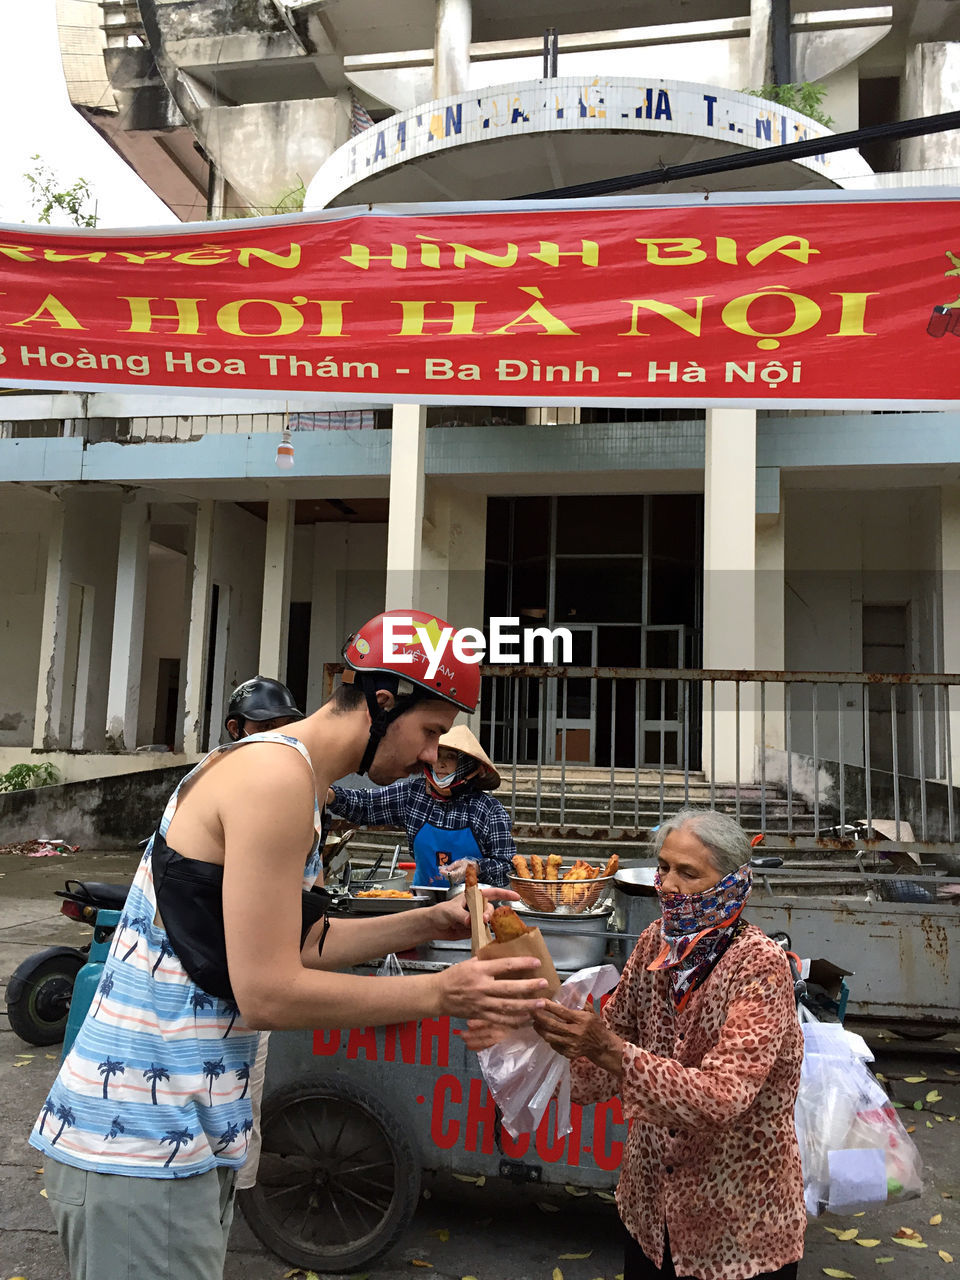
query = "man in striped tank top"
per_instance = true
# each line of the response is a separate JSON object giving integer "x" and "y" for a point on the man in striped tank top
{"x": 149, "y": 1118}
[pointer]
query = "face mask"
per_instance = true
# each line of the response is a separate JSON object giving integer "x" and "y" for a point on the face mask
{"x": 444, "y": 781}
{"x": 686, "y": 917}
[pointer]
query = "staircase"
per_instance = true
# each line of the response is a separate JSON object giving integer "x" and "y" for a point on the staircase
{"x": 585, "y": 828}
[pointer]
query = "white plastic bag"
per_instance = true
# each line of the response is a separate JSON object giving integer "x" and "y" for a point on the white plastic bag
{"x": 390, "y": 967}
{"x": 523, "y": 1072}
{"x": 854, "y": 1150}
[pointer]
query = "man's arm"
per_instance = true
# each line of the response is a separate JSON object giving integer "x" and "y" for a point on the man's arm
{"x": 264, "y": 797}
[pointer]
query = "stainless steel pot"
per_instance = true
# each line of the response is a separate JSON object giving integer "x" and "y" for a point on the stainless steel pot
{"x": 574, "y": 941}
{"x": 635, "y": 904}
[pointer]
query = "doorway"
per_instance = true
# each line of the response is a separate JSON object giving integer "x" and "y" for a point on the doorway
{"x": 887, "y": 650}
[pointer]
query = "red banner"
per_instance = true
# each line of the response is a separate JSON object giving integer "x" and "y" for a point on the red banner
{"x": 821, "y": 299}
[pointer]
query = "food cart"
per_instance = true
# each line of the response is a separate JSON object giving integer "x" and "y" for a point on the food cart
{"x": 353, "y": 1118}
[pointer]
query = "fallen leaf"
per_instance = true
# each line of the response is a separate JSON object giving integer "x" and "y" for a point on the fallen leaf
{"x": 911, "y": 1244}
{"x": 936, "y": 1220}
{"x": 908, "y": 1233}
{"x": 951, "y": 1117}
{"x": 418, "y": 1262}
{"x": 918, "y": 1105}
{"x": 939, "y": 1119}
{"x": 861, "y": 1214}
{"x": 442, "y": 1234}
{"x": 947, "y": 1257}
{"x": 911, "y": 1128}
{"x": 850, "y": 1234}
{"x": 575, "y": 1191}
{"x": 547, "y": 1207}
{"x": 468, "y": 1177}
{"x": 40, "y": 1170}
{"x": 28, "y": 1056}
{"x": 869, "y": 1244}
{"x": 914, "y": 1079}
{"x": 879, "y": 1076}
{"x": 946, "y": 1195}
{"x": 43, "y": 1192}
{"x": 468, "y": 1278}
{"x": 570, "y": 1257}
{"x": 20, "y": 1064}
{"x": 605, "y": 1195}
{"x": 51, "y": 1056}
{"x": 929, "y": 1124}
{"x": 898, "y": 1105}
{"x": 482, "y": 1180}
{"x": 557, "y": 1274}
{"x": 883, "y": 1259}
{"x": 834, "y": 1231}
{"x": 951, "y": 1073}
{"x": 933, "y": 1096}
{"x": 837, "y": 1275}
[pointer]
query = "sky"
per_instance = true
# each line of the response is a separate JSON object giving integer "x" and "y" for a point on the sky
{"x": 39, "y": 120}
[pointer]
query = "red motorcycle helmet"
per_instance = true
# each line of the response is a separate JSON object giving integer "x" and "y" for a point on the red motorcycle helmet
{"x": 388, "y": 653}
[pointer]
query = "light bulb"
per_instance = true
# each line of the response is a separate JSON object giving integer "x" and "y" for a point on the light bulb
{"x": 284, "y": 458}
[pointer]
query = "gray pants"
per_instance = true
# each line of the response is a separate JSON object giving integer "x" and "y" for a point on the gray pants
{"x": 114, "y": 1227}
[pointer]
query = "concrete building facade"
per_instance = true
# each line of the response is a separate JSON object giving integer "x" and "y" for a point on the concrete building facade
{"x": 152, "y": 554}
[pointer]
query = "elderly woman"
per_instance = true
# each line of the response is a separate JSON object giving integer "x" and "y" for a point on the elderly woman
{"x": 702, "y": 1045}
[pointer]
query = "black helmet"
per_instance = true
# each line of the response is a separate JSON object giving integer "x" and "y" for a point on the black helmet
{"x": 262, "y": 699}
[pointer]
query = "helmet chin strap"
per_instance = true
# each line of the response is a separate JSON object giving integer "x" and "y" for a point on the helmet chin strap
{"x": 380, "y": 719}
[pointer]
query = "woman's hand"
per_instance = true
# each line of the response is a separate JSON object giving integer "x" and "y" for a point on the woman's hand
{"x": 579, "y": 1033}
{"x": 503, "y": 993}
{"x": 450, "y": 919}
{"x": 482, "y": 1035}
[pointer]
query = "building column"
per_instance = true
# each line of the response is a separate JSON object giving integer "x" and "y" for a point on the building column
{"x": 198, "y": 625}
{"x": 950, "y": 597}
{"x": 729, "y": 587}
{"x": 931, "y": 72}
{"x": 451, "y": 47}
{"x": 126, "y": 650}
{"x": 405, "y": 522}
{"x": 277, "y": 569}
{"x": 46, "y": 724}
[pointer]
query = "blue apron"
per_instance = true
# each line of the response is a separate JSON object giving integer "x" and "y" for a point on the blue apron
{"x": 434, "y": 848}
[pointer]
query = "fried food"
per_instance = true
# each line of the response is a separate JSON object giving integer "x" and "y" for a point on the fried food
{"x": 383, "y": 893}
{"x": 536, "y": 863}
{"x": 470, "y": 876}
{"x": 612, "y": 866}
{"x": 554, "y": 863}
{"x": 520, "y": 866}
{"x": 507, "y": 925}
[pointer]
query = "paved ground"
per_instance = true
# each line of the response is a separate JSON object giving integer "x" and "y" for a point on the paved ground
{"x": 491, "y": 1233}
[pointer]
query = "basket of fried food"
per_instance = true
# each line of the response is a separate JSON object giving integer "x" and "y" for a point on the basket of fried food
{"x": 544, "y": 885}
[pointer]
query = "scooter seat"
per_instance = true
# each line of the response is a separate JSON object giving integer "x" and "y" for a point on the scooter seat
{"x": 95, "y": 893}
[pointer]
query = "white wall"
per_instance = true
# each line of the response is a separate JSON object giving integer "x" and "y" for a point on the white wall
{"x": 23, "y": 564}
{"x": 845, "y": 549}
{"x": 349, "y": 584}
{"x": 237, "y": 568}
{"x": 163, "y": 633}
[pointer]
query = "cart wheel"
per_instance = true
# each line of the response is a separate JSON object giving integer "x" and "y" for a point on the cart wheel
{"x": 338, "y": 1180}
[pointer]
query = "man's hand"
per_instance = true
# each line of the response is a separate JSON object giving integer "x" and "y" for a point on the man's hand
{"x": 501, "y": 992}
{"x": 579, "y": 1033}
{"x": 450, "y": 919}
{"x": 482, "y": 1035}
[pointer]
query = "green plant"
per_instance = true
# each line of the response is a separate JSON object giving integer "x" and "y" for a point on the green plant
{"x": 46, "y": 196}
{"x": 20, "y": 777}
{"x": 805, "y": 98}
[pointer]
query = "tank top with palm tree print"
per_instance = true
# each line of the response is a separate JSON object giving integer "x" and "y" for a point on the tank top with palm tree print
{"x": 156, "y": 1083}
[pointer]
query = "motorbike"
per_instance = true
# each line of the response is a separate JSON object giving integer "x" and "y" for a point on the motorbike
{"x": 45, "y": 988}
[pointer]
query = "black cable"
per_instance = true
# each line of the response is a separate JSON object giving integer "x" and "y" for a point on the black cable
{"x": 914, "y": 128}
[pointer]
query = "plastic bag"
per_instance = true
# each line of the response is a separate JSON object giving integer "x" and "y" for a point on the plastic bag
{"x": 854, "y": 1150}
{"x": 523, "y": 1073}
{"x": 390, "y": 967}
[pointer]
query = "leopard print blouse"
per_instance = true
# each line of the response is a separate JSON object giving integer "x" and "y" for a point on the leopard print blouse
{"x": 709, "y": 1094}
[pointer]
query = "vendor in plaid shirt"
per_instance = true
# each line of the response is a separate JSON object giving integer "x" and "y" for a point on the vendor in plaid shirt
{"x": 447, "y": 812}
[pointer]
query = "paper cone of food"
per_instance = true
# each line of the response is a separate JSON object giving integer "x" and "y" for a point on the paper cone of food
{"x": 513, "y": 938}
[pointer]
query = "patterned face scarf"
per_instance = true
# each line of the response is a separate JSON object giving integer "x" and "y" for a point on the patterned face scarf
{"x": 696, "y": 930}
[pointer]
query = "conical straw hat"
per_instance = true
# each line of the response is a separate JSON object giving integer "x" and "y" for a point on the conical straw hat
{"x": 460, "y": 738}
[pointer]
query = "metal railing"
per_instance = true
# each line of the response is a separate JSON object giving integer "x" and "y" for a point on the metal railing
{"x": 808, "y": 757}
